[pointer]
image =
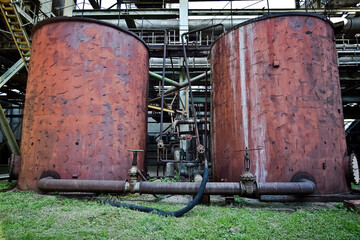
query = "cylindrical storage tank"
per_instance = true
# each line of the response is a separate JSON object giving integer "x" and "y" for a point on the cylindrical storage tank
{"x": 86, "y": 101}
{"x": 276, "y": 87}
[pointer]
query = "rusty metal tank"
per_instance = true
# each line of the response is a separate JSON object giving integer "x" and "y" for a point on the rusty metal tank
{"x": 86, "y": 101}
{"x": 276, "y": 87}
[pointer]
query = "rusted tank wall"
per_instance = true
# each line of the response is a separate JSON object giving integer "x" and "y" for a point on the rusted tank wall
{"x": 276, "y": 86}
{"x": 86, "y": 102}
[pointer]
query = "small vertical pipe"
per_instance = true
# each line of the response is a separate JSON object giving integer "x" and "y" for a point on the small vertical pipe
{"x": 82, "y": 13}
{"x": 163, "y": 88}
{"x": 119, "y": 15}
{"x": 231, "y": 14}
{"x": 206, "y": 89}
{"x": 190, "y": 91}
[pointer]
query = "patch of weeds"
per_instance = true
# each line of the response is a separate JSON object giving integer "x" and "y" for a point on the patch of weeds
{"x": 356, "y": 187}
{"x": 339, "y": 206}
{"x": 240, "y": 201}
{"x": 165, "y": 179}
{"x": 5, "y": 184}
{"x": 26, "y": 215}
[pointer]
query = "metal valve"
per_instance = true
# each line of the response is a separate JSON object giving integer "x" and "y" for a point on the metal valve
{"x": 133, "y": 171}
{"x": 247, "y": 157}
{"x": 200, "y": 149}
{"x": 135, "y": 151}
{"x": 160, "y": 144}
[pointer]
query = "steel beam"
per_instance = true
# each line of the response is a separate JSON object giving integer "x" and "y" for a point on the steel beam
{"x": 133, "y": 13}
{"x": 167, "y": 80}
{"x": 152, "y": 13}
{"x": 11, "y": 72}
{"x": 94, "y": 4}
{"x": 8, "y": 133}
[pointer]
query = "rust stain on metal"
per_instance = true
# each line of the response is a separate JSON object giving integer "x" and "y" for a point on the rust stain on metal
{"x": 86, "y": 103}
{"x": 276, "y": 86}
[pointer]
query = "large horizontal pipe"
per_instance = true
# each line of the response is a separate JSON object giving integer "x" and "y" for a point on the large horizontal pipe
{"x": 50, "y": 184}
{"x": 190, "y": 188}
{"x": 187, "y": 188}
{"x": 287, "y": 188}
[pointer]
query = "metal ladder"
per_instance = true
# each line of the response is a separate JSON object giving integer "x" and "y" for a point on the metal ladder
{"x": 16, "y": 28}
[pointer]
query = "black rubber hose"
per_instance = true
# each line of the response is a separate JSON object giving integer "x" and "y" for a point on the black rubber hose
{"x": 162, "y": 197}
{"x": 177, "y": 213}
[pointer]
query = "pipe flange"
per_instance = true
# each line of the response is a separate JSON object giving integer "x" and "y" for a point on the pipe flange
{"x": 301, "y": 176}
{"x": 52, "y": 174}
{"x": 247, "y": 177}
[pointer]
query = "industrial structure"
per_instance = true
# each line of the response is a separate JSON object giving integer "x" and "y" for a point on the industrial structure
{"x": 100, "y": 97}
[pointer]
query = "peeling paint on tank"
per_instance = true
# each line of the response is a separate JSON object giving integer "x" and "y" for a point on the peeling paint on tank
{"x": 288, "y": 102}
{"x": 257, "y": 124}
{"x": 79, "y": 115}
{"x": 243, "y": 89}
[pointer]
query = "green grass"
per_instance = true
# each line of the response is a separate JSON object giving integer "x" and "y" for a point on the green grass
{"x": 356, "y": 187}
{"x": 26, "y": 215}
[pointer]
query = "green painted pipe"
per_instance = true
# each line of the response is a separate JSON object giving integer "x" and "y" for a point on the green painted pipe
{"x": 185, "y": 84}
{"x": 8, "y": 133}
{"x": 167, "y": 80}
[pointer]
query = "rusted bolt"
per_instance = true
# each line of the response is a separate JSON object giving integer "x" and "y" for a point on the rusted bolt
{"x": 324, "y": 165}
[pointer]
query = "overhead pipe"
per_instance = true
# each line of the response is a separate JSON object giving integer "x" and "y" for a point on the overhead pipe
{"x": 334, "y": 4}
{"x": 348, "y": 27}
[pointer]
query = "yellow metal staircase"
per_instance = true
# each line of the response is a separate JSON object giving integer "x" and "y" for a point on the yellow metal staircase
{"x": 16, "y": 28}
